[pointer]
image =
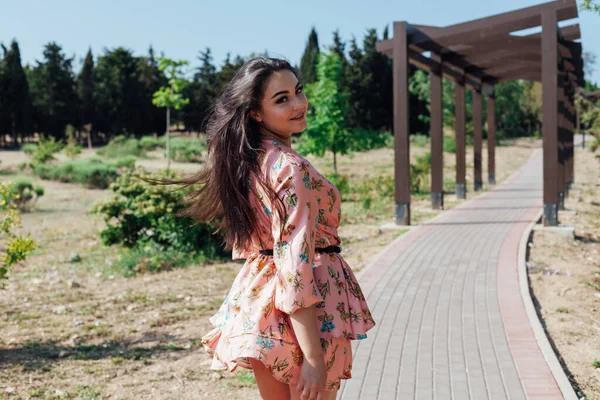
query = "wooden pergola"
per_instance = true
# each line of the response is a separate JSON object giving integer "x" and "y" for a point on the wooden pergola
{"x": 477, "y": 55}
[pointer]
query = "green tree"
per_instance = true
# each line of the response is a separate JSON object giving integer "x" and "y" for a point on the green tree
{"x": 590, "y": 5}
{"x": 310, "y": 57}
{"x": 326, "y": 128}
{"x": 202, "y": 92}
{"x": 85, "y": 90}
{"x": 15, "y": 100}
{"x": 151, "y": 79}
{"x": 119, "y": 93}
{"x": 170, "y": 96}
{"x": 53, "y": 92}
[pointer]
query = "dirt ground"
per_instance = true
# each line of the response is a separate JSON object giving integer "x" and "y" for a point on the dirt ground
{"x": 80, "y": 330}
{"x": 565, "y": 280}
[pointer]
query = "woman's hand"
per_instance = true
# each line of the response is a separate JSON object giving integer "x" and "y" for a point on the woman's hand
{"x": 313, "y": 377}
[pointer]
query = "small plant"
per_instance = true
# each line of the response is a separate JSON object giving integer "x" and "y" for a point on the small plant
{"x": 419, "y": 140}
{"x": 45, "y": 150}
{"x": 73, "y": 149}
{"x": 15, "y": 247}
{"x": 596, "y": 363}
{"x": 449, "y": 144}
{"x": 24, "y": 194}
{"x": 420, "y": 173}
{"x": 562, "y": 310}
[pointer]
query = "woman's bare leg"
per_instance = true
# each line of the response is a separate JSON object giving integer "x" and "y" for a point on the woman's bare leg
{"x": 269, "y": 387}
{"x": 327, "y": 395}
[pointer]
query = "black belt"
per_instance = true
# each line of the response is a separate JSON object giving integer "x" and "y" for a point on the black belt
{"x": 328, "y": 249}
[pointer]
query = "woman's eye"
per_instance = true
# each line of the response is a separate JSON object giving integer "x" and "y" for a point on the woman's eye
{"x": 300, "y": 89}
{"x": 281, "y": 99}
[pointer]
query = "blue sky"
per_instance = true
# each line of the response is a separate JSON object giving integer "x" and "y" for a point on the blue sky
{"x": 181, "y": 28}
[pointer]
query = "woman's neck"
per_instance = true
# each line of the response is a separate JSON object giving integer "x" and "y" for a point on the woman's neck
{"x": 269, "y": 134}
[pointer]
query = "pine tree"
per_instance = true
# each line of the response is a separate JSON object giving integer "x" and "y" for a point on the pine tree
{"x": 308, "y": 62}
{"x": 52, "y": 86}
{"x": 152, "y": 79}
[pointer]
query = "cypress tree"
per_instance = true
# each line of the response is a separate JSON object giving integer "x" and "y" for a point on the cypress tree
{"x": 308, "y": 62}
{"x": 16, "y": 100}
{"x": 85, "y": 89}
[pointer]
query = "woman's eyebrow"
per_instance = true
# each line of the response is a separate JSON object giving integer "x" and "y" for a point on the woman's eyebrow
{"x": 285, "y": 91}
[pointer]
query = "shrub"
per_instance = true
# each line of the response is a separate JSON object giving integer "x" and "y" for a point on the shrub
{"x": 16, "y": 247}
{"x": 29, "y": 148}
{"x": 24, "y": 194}
{"x": 140, "y": 216}
{"x": 419, "y": 140}
{"x": 449, "y": 144}
{"x": 186, "y": 150}
{"x": 149, "y": 143}
{"x": 419, "y": 173}
{"x": 73, "y": 149}
{"x": 120, "y": 146}
{"x": 45, "y": 150}
{"x": 93, "y": 172}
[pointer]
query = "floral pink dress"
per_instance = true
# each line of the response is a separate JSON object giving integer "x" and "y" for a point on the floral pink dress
{"x": 253, "y": 321}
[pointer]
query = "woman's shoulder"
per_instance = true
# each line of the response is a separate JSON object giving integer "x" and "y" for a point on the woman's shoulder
{"x": 281, "y": 159}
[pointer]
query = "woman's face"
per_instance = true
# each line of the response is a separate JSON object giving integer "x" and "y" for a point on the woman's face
{"x": 284, "y": 104}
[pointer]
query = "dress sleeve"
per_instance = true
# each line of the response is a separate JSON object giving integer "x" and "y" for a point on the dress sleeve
{"x": 294, "y": 238}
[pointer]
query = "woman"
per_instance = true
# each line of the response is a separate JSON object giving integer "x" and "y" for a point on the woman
{"x": 295, "y": 304}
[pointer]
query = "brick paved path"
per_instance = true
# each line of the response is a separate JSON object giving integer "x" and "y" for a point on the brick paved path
{"x": 451, "y": 321}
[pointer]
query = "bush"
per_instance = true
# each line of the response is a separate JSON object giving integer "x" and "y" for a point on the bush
{"x": 140, "y": 216}
{"x": 419, "y": 174}
{"x": 93, "y": 172}
{"x": 24, "y": 194}
{"x": 29, "y": 148}
{"x": 120, "y": 146}
{"x": 73, "y": 149}
{"x": 16, "y": 247}
{"x": 449, "y": 144}
{"x": 45, "y": 149}
{"x": 419, "y": 140}
{"x": 149, "y": 143}
{"x": 186, "y": 150}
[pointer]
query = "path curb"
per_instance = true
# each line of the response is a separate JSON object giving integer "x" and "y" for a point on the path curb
{"x": 540, "y": 334}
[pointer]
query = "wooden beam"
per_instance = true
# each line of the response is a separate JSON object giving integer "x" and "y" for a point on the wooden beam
{"x": 478, "y": 29}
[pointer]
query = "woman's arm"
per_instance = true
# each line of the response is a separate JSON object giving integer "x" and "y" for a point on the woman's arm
{"x": 304, "y": 323}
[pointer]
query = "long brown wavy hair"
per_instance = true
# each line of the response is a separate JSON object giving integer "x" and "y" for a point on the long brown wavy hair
{"x": 233, "y": 150}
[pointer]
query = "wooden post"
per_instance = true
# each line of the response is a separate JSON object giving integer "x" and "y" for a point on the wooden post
{"x": 550, "y": 115}
{"x": 401, "y": 124}
{"x": 459, "y": 108}
{"x": 477, "y": 139}
{"x": 562, "y": 127}
{"x": 437, "y": 137}
{"x": 491, "y": 138}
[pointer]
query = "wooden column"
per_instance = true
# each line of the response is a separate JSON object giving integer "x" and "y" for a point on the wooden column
{"x": 491, "y": 138}
{"x": 459, "y": 109}
{"x": 477, "y": 139}
{"x": 436, "y": 136}
{"x": 401, "y": 124}
{"x": 550, "y": 115}
{"x": 562, "y": 127}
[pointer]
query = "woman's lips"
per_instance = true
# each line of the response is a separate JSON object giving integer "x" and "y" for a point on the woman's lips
{"x": 299, "y": 118}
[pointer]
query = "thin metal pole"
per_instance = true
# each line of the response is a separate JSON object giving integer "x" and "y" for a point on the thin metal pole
{"x": 477, "y": 139}
{"x": 491, "y": 121}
